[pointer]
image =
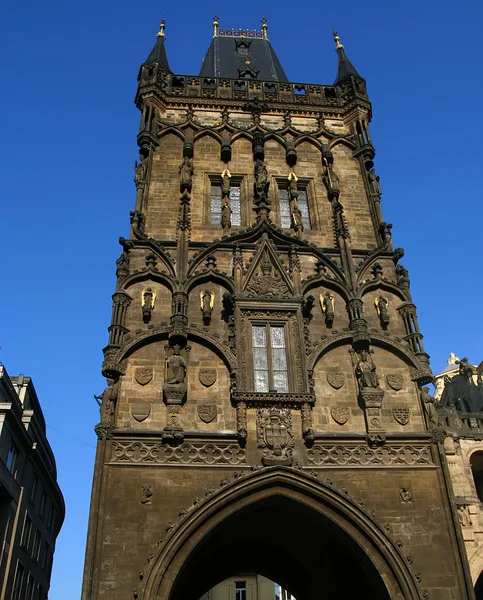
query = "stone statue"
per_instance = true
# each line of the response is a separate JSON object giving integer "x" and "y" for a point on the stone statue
{"x": 464, "y": 516}
{"x": 366, "y": 371}
{"x": 107, "y": 400}
{"x": 261, "y": 176}
{"x": 328, "y": 307}
{"x": 429, "y": 404}
{"x": 297, "y": 218}
{"x": 140, "y": 171}
{"x": 292, "y": 186}
{"x": 148, "y": 298}
{"x": 374, "y": 182}
{"x": 225, "y": 182}
{"x": 176, "y": 367}
{"x": 381, "y": 307}
{"x": 331, "y": 179}
{"x": 186, "y": 172}
{"x": 122, "y": 265}
{"x": 402, "y": 277}
{"x": 207, "y": 300}
{"x": 226, "y": 215}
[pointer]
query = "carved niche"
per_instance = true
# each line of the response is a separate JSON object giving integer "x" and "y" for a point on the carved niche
{"x": 275, "y": 436}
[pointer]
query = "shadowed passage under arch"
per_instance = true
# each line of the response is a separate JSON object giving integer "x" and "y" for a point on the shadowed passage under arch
{"x": 287, "y": 541}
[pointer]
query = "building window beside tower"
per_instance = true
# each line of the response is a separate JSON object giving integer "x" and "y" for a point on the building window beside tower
{"x": 270, "y": 370}
{"x": 216, "y": 203}
{"x": 240, "y": 590}
{"x": 285, "y": 213}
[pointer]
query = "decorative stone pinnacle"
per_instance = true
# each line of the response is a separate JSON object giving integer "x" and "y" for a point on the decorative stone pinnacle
{"x": 215, "y": 25}
{"x": 161, "y": 28}
{"x": 339, "y": 46}
{"x": 264, "y": 27}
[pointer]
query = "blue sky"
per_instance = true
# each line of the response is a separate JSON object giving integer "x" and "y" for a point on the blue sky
{"x": 68, "y": 134}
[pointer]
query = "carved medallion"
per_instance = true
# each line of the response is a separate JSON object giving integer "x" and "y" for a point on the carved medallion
{"x": 336, "y": 379}
{"x": 340, "y": 414}
{"x": 207, "y": 377}
{"x": 275, "y": 435}
{"x": 141, "y": 410}
{"x": 401, "y": 415}
{"x": 395, "y": 381}
{"x": 207, "y": 412}
{"x": 143, "y": 375}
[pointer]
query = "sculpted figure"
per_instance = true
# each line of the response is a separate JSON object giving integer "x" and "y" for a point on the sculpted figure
{"x": 186, "y": 171}
{"x": 374, "y": 182}
{"x": 261, "y": 176}
{"x": 297, "y": 218}
{"x": 140, "y": 171}
{"x": 176, "y": 367}
{"x": 292, "y": 186}
{"x": 107, "y": 400}
{"x": 226, "y": 215}
{"x": 402, "y": 277}
{"x": 331, "y": 179}
{"x": 429, "y": 404}
{"x": 366, "y": 371}
{"x": 225, "y": 183}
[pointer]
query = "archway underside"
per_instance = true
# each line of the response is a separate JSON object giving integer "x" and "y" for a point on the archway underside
{"x": 288, "y": 542}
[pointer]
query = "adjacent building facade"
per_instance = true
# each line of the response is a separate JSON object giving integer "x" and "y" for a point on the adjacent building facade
{"x": 31, "y": 503}
{"x": 264, "y": 409}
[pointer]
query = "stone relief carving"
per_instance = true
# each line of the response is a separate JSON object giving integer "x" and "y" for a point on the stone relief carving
{"x": 141, "y": 410}
{"x": 395, "y": 381}
{"x": 362, "y": 454}
{"x": 464, "y": 515}
{"x": 147, "y": 494}
{"x": 203, "y": 454}
{"x": 143, "y": 375}
{"x": 267, "y": 281}
{"x": 207, "y": 377}
{"x": 275, "y": 435}
{"x": 241, "y": 422}
{"x": 207, "y": 412}
{"x": 401, "y": 414}
{"x": 405, "y": 495}
{"x": 340, "y": 414}
{"x": 336, "y": 379}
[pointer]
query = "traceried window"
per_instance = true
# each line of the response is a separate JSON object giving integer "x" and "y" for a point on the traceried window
{"x": 284, "y": 206}
{"x": 240, "y": 590}
{"x": 215, "y": 204}
{"x": 270, "y": 371}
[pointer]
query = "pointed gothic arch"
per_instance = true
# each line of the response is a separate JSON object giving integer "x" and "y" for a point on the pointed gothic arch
{"x": 288, "y": 526}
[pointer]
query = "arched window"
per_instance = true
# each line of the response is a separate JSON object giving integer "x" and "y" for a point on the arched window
{"x": 476, "y": 462}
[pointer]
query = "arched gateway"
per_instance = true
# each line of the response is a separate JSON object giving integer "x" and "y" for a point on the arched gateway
{"x": 313, "y": 539}
{"x": 264, "y": 409}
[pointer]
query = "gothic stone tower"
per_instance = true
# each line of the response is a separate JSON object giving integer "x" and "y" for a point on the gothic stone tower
{"x": 263, "y": 410}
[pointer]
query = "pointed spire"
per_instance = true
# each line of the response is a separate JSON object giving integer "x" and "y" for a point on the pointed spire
{"x": 158, "y": 53}
{"x": 264, "y": 28}
{"x": 345, "y": 68}
{"x": 215, "y": 25}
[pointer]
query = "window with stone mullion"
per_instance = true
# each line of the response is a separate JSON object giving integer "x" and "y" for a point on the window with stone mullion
{"x": 270, "y": 370}
{"x": 216, "y": 204}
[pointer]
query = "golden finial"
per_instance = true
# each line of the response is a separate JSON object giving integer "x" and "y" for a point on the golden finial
{"x": 161, "y": 28}
{"x": 215, "y": 25}
{"x": 337, "y": 40}
{"x": 264, "y": 27}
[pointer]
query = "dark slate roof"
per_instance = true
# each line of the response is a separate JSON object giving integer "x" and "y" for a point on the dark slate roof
{"x": 222, "y": 59}
{"x": 345, "y": 68}
{"x": 158, "y": 53}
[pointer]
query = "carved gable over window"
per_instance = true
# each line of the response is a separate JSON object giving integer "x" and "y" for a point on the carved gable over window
{"x": 266, "y": 277}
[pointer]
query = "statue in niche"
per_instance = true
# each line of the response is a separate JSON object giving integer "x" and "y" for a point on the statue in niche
{"x": 175, "y": 367}
{"x": 107, "y": 400}
{"x": 226, "y": 216}
{"x": 140, "y": 171}
{"x": 186, "y": 173}
{"x": 261, "y": 177}
{"x": 207, "y": 301}
{"x": 374, "y": 182}
{"x": 328, "y": 307}
{"x": 366, "y": 371}
{"x": 429, "y": 404}
{"x": 381, "y": 305}
{"x": 330, "y": 178}
{"x": 148, "y": 298}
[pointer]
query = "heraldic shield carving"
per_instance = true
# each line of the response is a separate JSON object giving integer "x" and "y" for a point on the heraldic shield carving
{"x": 143, "y": 375}
{"x": 395, "y": 381}
{"x": 207, "y": 377}
{"x": 141, "y": 410}
{"x": 207, "y": 412}
{"x": 401, "y": 414}
{"x": 340, "y": 414}
{"x": 336, "y": 379}
{"x": 275, "y": 435}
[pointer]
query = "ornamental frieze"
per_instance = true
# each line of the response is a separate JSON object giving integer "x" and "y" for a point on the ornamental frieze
{"x": 337, "y": 455}
{"x": 200, "y": 454}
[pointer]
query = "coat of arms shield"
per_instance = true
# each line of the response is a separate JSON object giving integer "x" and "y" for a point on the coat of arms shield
{"x": 207, "y": 412}
{"x": 143, "y": 375}
{"x": 207, "y": 377}
{"x": 340, "y": 414}
{"x": 401, "y": 414}
{"x": 141, "y": 410}
{"x": 336, "y": 379}
{"x": 395, "y": 381}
